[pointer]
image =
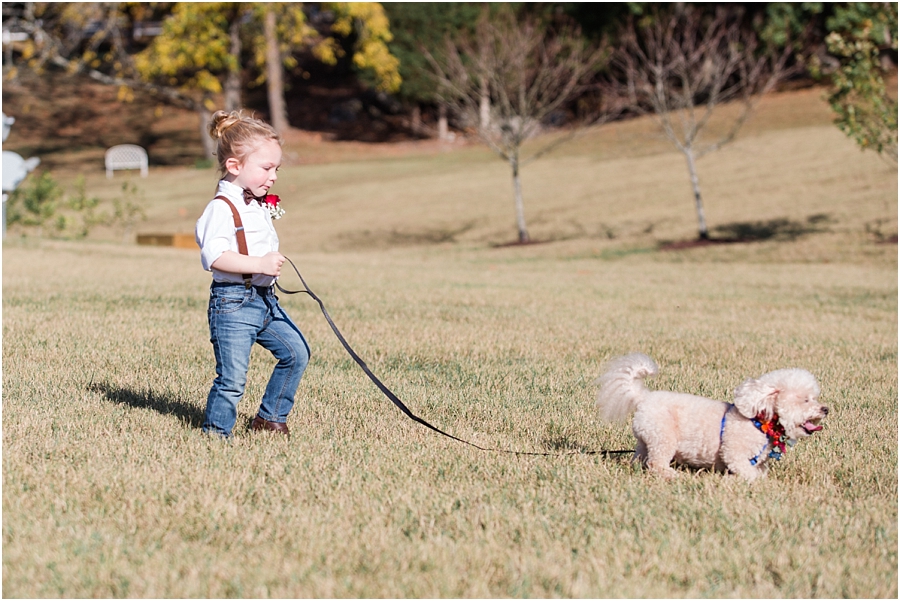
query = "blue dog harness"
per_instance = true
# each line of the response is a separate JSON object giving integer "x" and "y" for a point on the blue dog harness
{"x": 775, "y": 453}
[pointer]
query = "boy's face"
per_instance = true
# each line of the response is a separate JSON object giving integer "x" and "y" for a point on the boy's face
{"x": 259, "y": 170}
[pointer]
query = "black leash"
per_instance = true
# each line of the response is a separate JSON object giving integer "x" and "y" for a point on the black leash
{"x": 393, "y": 397}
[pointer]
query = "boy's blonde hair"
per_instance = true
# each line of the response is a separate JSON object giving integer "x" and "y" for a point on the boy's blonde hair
{"x": 237, "y": 135}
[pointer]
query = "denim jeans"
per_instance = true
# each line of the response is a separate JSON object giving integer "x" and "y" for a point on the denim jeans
{"x": 238, "y": 318}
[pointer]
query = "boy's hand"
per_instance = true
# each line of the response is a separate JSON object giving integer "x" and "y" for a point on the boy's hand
{"x": 270, "y": 264}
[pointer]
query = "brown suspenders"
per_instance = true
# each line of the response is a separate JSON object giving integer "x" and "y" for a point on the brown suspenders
{"x": 239, "y": 234}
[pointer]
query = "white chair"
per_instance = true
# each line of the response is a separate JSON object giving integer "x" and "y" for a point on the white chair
{"x": 15, "y": 168}
{"x": 126, "y": 156}
{"x": 7, "y": 123}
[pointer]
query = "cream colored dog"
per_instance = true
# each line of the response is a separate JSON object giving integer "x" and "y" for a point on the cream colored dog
{"x": 769, "y": 412}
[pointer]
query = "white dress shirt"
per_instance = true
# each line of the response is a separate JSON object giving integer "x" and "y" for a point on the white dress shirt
{"x": 215, "y": 233}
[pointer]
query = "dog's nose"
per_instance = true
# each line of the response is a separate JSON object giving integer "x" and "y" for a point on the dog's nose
{"x": 824, "y": 410}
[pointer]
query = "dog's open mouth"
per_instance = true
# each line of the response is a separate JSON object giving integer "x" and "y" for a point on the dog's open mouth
{"x": 811, "y": 427}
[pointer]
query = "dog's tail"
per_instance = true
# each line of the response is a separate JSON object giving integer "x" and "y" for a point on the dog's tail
{"x": 622, "y": 385}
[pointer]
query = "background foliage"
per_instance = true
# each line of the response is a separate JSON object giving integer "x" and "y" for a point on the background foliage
{"x": 864, "y": 109}
{"x": 852, "y": 44}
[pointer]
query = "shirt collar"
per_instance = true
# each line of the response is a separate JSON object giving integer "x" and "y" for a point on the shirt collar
{"x": 232, "y": 191}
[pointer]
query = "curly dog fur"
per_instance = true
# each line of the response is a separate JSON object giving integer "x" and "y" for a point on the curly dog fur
{"x": 705, "y": 433}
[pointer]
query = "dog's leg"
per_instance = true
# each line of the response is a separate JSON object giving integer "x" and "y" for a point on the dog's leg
{"x": 662, "y": 467}
{"x": 640, "y": 453}
{"x": 741, "y": 441}
{"x": 746, "y": 471}
{"x": 659, "y": 458}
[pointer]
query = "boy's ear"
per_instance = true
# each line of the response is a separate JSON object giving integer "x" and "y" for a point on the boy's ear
{"x": 233, "y": 166}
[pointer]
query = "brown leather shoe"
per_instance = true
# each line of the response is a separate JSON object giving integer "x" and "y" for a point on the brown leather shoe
{"x": 259, "y": 423}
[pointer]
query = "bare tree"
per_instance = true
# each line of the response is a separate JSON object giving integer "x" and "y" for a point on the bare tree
{"x": 507, "y": 81}
{"x": 680, "y": 65}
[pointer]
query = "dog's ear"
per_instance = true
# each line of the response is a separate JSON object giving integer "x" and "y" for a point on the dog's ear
{"x": 754, "y": 397}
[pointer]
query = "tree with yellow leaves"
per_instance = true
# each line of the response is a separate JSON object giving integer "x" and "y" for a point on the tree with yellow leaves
{"x": 201, "y": 49}
{"x": 285, "y": 30}
{"x": 371, "y": 53}
{"x": 200, "y": 46}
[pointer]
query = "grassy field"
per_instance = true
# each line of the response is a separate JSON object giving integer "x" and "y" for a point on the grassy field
{"x": 110, "y": 489}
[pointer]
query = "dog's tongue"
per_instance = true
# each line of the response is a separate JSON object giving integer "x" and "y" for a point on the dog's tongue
{"x": 811, "y": 427}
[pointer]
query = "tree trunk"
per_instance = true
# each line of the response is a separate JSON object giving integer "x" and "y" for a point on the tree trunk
{"x": 520, "y": 205}
{"x": 416, "y": 119}
{"x": 8, "y": 59}
{"x": 209, "y": 146}
{"x": 698, "y": 200}
{"x": 233, "y": 80}
{"x": 443, "y": 128}
{"x": 274, "y": 75}
{"x": 484, "y": 106}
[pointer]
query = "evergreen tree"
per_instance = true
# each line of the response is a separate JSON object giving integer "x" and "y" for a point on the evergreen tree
{"x": 425, "y": 26}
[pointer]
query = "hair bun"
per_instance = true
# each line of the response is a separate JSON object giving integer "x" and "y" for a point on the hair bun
{"x": 237, "y": 135}
{"x": 221, "y": 121}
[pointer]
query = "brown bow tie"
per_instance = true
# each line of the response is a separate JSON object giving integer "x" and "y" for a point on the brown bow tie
{"x": 249, "y": 197}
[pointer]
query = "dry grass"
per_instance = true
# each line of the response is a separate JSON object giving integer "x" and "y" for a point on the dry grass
{"x": 110, "y": 490}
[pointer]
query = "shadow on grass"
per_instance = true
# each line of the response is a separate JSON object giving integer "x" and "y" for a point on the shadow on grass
{"x": 376, "y": 239}
{"x": 883, "y": 231}
{"x": 555, "y": 441}
{"x": 163, "y": 403}
{"x": 785, "y": 230}
{"x": 568, "y": 447}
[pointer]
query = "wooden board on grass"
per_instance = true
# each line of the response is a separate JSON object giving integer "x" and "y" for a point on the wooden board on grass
{"x": 176, "y": 240}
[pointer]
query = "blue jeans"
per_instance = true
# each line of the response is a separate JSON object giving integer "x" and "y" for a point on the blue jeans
{"x": 238, "y": 318}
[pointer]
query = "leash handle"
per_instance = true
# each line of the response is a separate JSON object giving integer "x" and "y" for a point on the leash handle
{"x": 393, "y": 397}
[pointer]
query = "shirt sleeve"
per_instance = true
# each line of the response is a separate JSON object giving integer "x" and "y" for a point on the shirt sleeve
{"x": 215, "y": 233}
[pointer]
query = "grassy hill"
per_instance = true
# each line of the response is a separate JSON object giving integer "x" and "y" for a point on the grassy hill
{"x": 110, "y": 490}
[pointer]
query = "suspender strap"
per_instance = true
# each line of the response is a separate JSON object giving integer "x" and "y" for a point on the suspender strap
{"x": 239, "y": 234}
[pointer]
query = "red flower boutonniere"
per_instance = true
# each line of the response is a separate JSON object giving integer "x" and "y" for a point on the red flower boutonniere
{"x": 273, "y": 203}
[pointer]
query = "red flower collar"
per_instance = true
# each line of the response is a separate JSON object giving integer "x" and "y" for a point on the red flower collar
{"x": 774, "y": 431}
